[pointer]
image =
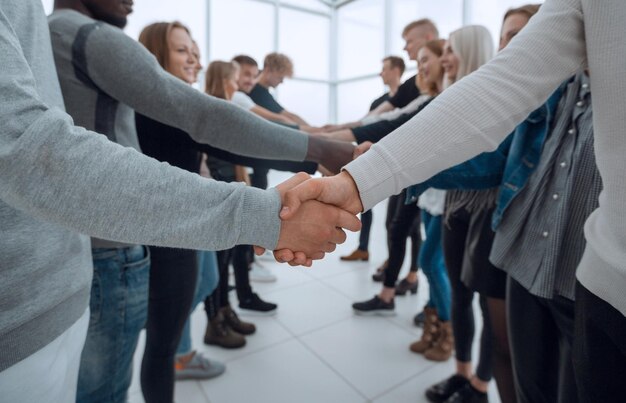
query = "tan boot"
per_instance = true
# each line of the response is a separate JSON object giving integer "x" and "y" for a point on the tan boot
{"x": 218, "y": 333}
{"x": 430, "y": 333}
{"x": 442, "y": 349}
{"x": 358, "y": 254}
{"x": 232, "y": 320}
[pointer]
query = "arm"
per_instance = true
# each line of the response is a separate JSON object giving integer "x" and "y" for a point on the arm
{"x": 294, "y": 117}
{"x": 135, "y": 78}
{"x": 475, "y": 114}
{"x": 340, "y": 135}
{"x": 269, "y": 115}
{"x": 375, "y": 132}
{"x": 384, "y": 107}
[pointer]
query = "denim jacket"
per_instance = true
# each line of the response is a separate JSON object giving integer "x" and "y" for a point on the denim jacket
{"x": 508, "y": 167}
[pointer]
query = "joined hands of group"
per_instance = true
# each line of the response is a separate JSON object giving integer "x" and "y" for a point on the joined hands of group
{"x": 315, "y": 212}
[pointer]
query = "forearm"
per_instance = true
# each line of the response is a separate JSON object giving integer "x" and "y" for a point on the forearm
{"x": 279, "y": 165}
{"x": 475, "y": 114}
{"x": 269, "y": 115}
{"x": 142, "y": 84}
{"x": 294, "y": 117}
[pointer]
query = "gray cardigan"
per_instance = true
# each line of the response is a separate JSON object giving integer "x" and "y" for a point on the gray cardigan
{"x": 58, "y": 181}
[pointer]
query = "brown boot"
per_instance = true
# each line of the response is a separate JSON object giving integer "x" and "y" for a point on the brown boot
{"x": 232, "y": 320}
{"x": 358, "y": 254}
{"x": 430, "y": 333}
{"x": 218, "y": 333}
{"x": 442, "y": 350}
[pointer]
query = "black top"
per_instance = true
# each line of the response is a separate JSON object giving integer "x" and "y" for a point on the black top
{"x": 407, "y": 92}
{"x": 262, "y": 97}
{"x": 376, "y": 131}
{"x": 378, "y": 101}
{"x": 174, "y": 146}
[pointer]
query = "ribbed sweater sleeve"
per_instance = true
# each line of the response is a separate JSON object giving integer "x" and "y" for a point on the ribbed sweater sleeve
{"x": 476, "y": 114}
{"x": 64, "y": 174}
{"x": 126, "y": 71}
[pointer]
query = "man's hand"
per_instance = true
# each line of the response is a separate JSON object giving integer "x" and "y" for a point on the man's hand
{"x": 339, "y": 190}
{"x": 308, "y": 234}
{"x": 332, "y": 154}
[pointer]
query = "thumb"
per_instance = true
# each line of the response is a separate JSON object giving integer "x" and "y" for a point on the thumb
{"x": 308, "y": 190}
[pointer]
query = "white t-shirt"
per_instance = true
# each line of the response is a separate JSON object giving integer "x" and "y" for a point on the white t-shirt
{"x": 243, "y": 100}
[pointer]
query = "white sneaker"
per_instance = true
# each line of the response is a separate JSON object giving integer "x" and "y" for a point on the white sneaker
{"x": 261, "y": 274}
{"x": 267, "y": 255}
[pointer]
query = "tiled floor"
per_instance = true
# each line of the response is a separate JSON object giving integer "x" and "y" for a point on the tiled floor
{"x": 315, "y": 349}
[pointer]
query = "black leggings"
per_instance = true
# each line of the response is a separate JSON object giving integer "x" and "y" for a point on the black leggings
{"x": 366, "y": 225}
{"x": 455, "y": 233}
{"x": 173, "y": 276}
{"x": 403, "y": 220}
{"x": 241, "y": 257}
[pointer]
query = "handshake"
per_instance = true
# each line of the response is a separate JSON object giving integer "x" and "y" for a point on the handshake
{"x": 315, "y": 213}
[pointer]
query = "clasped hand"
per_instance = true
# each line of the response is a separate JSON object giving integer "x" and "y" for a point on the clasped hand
{"x": 314, "y": 215}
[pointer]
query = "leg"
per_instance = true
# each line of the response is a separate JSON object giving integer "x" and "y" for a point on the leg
{"x": 534, "y": 346}
{"x": 118, "y": 305}
{"x": 431, "y": 262}
{"x": 502, "y": 365}
{"x": 563, "y": 315}
{"x": 484, "y": 367}
{"x": 172, "y": 287}
{"x": 454, "y": 237}
{"x": 416, "y": 240}
{"x": 364, "y": 236}
{"x": 398, "y": 232}
{"x": 599, "y": 349}
{"x": 241, "y": 268}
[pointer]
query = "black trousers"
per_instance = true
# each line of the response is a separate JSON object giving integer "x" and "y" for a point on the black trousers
{"x": 599, "y": 349}
{"x": 403, "y": 220}
{"x": 241, "y": 257}
{"x": 454, "y": 241}
{"x": 173, "y": 277}
{"x": 541, "y": 333}
{"x": 366, "y": 226}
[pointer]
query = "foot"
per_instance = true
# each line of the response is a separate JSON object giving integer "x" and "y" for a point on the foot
{"x": 254, "y": 305}
{"x": 239, "y": 326}
{"x": 468, "y": 394}
{"x": 379, "y": 276}
{"x": 261, "y": 274}
{"x": 218, "y": 333}
{"x": 442, "y": 391}
{"x": 358, "y": 254}
{"x": 374, "y": 306}
{"x": 405, "y": 286}
{"x": 418, "y": 319}
{"x": 197, "y": 366}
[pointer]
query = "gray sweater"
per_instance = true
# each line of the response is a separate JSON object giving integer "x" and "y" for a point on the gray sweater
{"x": 477, "y": 113}
{"x": 58, "y": 181}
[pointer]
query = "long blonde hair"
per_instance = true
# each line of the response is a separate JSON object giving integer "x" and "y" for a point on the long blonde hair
{"x": 216, "y": 73}
{"x": 473, "y": 46}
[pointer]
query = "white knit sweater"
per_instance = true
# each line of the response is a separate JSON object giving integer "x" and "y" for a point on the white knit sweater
{"x": 479, "y": 111}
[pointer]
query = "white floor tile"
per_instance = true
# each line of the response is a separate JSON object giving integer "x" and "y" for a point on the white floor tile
{"x": 286, "y": 373}
{"x": 310, "y": 306}
{"x": 371, "y": 353}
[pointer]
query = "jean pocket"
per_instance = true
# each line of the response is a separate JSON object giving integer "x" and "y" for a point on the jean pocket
{"x": 137, "y": 278}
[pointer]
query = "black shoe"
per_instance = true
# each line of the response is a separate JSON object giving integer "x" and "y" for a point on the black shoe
{"x": 418, "y": 319}
{"x": 254, "y": 305}
{"x": 442, "y": 391}
{"x": 374, "y": 306}
{"x": 468, "y": 394}
{"x": 379, "y": 276}
{"x": 404, "y": 286}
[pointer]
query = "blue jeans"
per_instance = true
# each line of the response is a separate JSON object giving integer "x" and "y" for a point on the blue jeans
{"x": 432, "y": 264}
{"x": 208, "y": 277}
{"x": 119, "y": 302}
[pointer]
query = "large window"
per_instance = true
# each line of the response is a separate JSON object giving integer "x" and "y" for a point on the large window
{"x": 336, "y": 45}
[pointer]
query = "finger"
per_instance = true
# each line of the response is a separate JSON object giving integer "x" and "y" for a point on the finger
{"x": 259, "y": 250}
{"x": 317, "y": 256}
{"x": 338, "y": 236}
{"x": 329, "y": 247}
{"x": 293, "y": 181}
{"x": 348, "y": 221}
{"x": 283, "y": 255}
{"x": 308, "y": 190}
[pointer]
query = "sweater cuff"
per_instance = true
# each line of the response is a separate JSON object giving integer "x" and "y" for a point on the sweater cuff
{"x": 260, "y": 224}
{"x": 373, "y": 178}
